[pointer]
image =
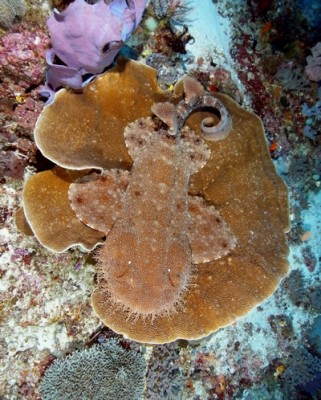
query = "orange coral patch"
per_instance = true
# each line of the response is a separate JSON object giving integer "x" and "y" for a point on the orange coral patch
{"x": 47, "y": 210}
{"x": 89, "y": 126}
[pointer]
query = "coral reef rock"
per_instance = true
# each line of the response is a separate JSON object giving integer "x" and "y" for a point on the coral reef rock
{"x": 10, "y": 10}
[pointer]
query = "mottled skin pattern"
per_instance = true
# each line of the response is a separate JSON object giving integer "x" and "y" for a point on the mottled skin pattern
{"x": 149, "y": 242}
{"x": 108, "y": 189}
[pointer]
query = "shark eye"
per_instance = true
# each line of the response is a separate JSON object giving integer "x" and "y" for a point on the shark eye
{"x": 130, "y": 4}
{"x": 111, "y": 45}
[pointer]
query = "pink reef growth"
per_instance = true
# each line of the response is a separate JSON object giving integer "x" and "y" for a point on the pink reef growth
{"x": 22, "y": 56}
{"x": 22, "y": 69}
{"x": 26, "y": 114}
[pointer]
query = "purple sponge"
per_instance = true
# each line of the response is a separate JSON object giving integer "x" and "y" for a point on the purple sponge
{"x": 87, "y": 37}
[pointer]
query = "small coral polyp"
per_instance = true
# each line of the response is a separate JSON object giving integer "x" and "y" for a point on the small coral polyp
{"x": 193, "y": 211}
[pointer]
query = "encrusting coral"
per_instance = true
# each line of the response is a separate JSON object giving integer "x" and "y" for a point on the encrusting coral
{"x": 48, "y": 191}
{"x": 98, "y": 135}
{"x": 195, "y": 229}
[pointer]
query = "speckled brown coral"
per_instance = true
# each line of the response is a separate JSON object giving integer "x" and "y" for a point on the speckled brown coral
{"x": 47, "y": 211}
{"x": 85, "y": 130}
{"x": 239, "y": 180}
{"x": 22, "y": 223}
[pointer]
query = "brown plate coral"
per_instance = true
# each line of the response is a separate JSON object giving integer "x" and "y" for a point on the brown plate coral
{"x": 184, "y": 190}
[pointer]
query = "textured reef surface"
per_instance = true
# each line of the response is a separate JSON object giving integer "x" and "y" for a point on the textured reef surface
{"x": 234, "y": 278}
